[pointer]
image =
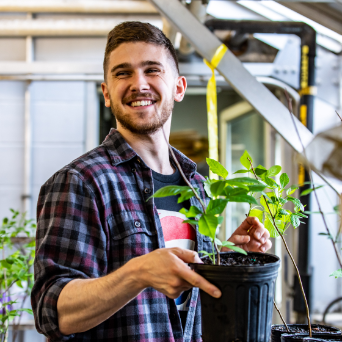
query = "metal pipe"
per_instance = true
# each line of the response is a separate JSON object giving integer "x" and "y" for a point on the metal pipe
{"x": 78, "y": 7}
{"x": 65, "y": 27}
{"x": 199, "y": 10}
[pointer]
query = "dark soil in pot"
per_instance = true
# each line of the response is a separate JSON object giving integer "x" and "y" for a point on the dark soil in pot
{"x": 332, "y": 336}
{"x": 278, "y": 330}
{"x": 244, "y": 311}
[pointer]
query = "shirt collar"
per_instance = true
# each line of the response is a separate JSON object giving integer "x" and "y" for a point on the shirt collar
{"x": 120, "y": 151}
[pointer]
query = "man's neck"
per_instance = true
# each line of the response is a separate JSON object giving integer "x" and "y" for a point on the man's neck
{"x": 153, "y": 149}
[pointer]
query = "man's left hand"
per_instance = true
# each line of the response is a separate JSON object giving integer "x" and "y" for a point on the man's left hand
{"x": 251, "y": 236}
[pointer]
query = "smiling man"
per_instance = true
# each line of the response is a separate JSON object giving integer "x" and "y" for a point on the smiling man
{"x": 110, "y": 265}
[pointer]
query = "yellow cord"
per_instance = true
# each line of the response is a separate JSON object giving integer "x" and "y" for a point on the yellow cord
{"x": 212, "y": 105}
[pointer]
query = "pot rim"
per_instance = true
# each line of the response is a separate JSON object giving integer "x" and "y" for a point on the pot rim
{"x": 270, "y": 264}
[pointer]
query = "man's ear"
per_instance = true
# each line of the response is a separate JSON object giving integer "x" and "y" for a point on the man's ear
{"x": 105, "y": 92}
{"x": 180, "y": 88}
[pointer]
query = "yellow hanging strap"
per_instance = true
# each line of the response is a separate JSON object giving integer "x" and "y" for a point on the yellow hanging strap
{"x": 212, "y": 105}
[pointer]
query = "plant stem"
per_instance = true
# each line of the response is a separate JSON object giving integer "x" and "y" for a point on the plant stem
{"x": 281, "y": 316}
{"x": 338, "y": 115}
{"x": 290, "y": 255}
{"x": 312, "y": 184}
{"x": 188, "y": 184}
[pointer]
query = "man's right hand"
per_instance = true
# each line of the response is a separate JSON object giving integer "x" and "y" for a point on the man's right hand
{"x": 166, "y": 271}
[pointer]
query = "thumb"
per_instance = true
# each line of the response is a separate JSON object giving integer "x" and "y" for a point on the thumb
{"x": 187, "y": 256}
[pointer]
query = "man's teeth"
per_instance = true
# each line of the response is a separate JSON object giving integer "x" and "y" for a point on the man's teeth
{"x": 141, "y": 103}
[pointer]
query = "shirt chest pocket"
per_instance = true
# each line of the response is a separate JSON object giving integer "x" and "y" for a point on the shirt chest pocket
{"x": 131, "y": 236}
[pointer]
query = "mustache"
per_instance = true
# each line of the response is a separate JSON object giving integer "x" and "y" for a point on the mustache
{"x": 134, "y": 96}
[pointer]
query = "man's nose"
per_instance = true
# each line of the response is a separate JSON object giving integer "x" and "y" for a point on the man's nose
{"x": 139, "y": 82}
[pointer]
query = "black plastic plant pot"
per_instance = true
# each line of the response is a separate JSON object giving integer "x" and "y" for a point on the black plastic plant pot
{"x": 323, "y": 338}
{"x": 279, "y": 329}
{"x": 315, "y": 337}
{"x": 244, "y": 311}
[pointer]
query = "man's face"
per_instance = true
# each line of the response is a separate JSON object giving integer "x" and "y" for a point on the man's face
{"x": 142, "y": 86}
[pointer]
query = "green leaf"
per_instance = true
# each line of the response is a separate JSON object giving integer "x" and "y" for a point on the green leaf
{"x": 291, "y": 189}
{"x": 192, "y": 212}
{"x": 284, "y": 180}
{"x": 309, "y": 191}
{"x": 185, "y": 195}
{"x": 296, "y": 202}
{"x": 269, "y": 226}
{"x": 217, "y": 168}
{"x": 170, "y": 190}
{"x": 207, "y": 225}
{"x": 257, "y": 188}
{"x": 295, "y": 221}
{"x": 271, "y": 182}
{"x": 216, "y": 206}
{"x": 227, "y": 244}
{"x": 244, "y": 160}
{"x": 256, "y": 213}
{"x": 260, "y": 170}
{"x": 207, "y": 185}
{"x": 329, "y": 236}
{"x": 336, "y": 209}
{"x": 217, "y": 188}
{"x": 336, "y": 274}
{"x": 230, "y": 191}
{"x": 242, "y": 198}
{"x": 238, "y": 249}
{"x": 273, "y": 171}
{"x": 242, "y": 171}
{"x": 190, "y": 221}
{"x": 283, "y": 212}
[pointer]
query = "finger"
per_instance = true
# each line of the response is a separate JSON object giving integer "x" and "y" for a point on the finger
{"x": 240, "y": 239}
{"x": 187, "y": 255}
{"x": 260, "y": 232}
{"x": 197, "y": 281}
{"x": 266, "y": 246}
{"x": 248, "y": 223}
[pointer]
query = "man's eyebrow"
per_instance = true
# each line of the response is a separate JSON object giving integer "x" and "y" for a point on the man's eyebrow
{"x": 121, "y": 66}
{"x": 145, "y": 63}
{"x": 129, "y": 65}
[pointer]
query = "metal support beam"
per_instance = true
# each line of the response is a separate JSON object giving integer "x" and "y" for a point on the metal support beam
{"x": 67, "y": 27}
{"x": 77, "y": 7}
{"x": 206, "y": 43}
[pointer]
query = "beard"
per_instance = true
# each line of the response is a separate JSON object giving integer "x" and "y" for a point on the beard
{"x": 151, "y": 125}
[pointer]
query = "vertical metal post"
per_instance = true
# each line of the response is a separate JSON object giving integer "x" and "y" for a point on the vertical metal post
{"x": 307, "y": 92}
{"x": 27, "y": 190}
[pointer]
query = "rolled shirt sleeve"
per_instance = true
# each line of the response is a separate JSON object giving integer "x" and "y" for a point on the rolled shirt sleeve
{"x": 71, "y": 243}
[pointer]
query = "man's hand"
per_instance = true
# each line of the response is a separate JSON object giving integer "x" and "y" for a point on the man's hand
{"x": 251, "y": 236}
{"x": 166, "y": 270}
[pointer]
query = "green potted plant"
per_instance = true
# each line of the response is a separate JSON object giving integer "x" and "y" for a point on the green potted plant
{"x": 246, "y": 280}
{"x": 16, "y": 279}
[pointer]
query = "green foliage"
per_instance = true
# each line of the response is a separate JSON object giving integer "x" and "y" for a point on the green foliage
{"x": 172, "y": 190}
{"x": 217, "y": 168}
{"x": 244, "y": 160}
{"x": 309, "y": 191}
{"x": 15, "y": 269}
{"x": 274, "y": 195}
{"x": 337, "y": 274}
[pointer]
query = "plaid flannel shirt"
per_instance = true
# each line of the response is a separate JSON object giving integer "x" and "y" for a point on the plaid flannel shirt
{"x": 92, "y": 218}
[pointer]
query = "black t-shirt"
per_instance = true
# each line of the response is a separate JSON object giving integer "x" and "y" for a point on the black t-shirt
{"x": 176, "y": 233}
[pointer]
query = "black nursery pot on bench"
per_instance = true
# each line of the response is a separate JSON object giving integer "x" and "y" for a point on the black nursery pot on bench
{"x": 279, "y": 329}
{"x": 317, "y": 337}
{"x": 244, "y": 311}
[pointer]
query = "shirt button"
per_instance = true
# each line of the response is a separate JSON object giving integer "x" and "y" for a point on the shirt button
{"x": 134, "y": 170}
{"x": 137, "y": 224}
{"x": 147, "y": 190}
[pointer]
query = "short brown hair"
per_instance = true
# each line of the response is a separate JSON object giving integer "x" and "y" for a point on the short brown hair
{"x": 136, "y": 31}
